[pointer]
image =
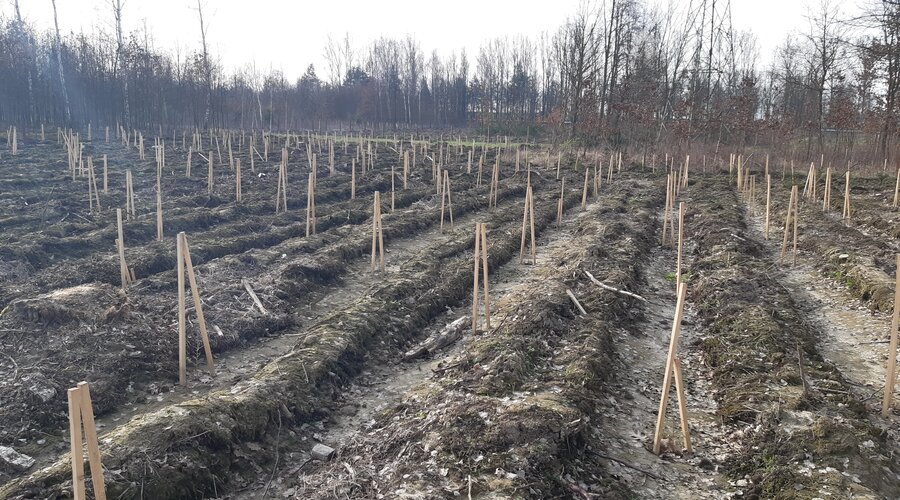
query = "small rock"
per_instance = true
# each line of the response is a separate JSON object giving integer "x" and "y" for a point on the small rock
{"x": 41, "y": 388}
{"x": 14, "y": 459}
{"x": 322, "y": 452}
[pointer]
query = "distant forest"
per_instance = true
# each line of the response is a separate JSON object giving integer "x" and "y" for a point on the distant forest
{"x": 616, "y": 71}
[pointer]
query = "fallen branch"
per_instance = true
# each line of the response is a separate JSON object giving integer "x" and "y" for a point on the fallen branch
{"x": 253, "y": 296}
{"x": 442, "y": 369}
{"x": 448, "y": 335}
{"x": 613, "y": 289}
{"x": 575, "y": 301}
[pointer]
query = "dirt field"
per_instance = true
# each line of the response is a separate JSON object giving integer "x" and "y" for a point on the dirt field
{"x": 783, "y": 363}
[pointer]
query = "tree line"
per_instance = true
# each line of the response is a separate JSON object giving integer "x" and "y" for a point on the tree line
{"x": 616, "y": 70}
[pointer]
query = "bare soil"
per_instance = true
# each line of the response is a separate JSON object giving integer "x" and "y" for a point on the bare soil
{"x": 783, "y": 364}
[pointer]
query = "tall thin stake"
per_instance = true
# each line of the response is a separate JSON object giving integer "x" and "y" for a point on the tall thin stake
{"x": 846, "y": 215}
{"x": 768, "y": 203}
{"x": 377, "y": 233}
{"x": 670, "y": 371}
{"x": 891, "y": 369}
{"x": 481, "y": 266}
{"x": 680, "y": 245}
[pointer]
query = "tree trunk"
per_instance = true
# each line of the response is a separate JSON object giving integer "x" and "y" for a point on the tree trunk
{"x": 62, "y": 78}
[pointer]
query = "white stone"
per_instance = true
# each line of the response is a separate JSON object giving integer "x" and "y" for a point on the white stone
{"x": 15, "y": 459}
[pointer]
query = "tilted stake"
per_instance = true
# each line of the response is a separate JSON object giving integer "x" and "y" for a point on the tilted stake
{"x": 81, "y": 413}
{"x": 184, "y": 264}
{"x": 671, "y": 362}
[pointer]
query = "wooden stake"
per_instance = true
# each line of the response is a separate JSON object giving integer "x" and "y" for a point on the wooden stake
{"x": 481, "y": 265}
{"x": 159, "y": 216}
{"x": 281, "y": 190}
{"x": 584, "y": 191}
{"x": 406, "y": 166}
{"x": 682, "y": 408}
{"x": 768, "y": 204}
{"x": 495, "y": 181}
{"x": 129, "y": 195}
{"x": 670, "y": 369}
{"x": 90, "y": 436}
{"x": 575, "y": 301}
{"x": 666, "y": 208}
{"x": 796, "y": 218}
{"x": 846, "y": 215}
{"x": 310, "y": 205}
{"x": 891, "y": 369}
{"x": 105, "y": 175}
{"x": 476, "y": 260}
{"x": 445, "y": 193}
{"x": 237, "y": 180}
{"x": 787, "y": 222}
{"x": 680, "y": 245}
{"x": 120, "y": 245}
{"x": 198, "y": 306}
{"x": 92, "y": 187}
{"x": 481, "y": 170}
{"x": 182, "y": 335}
{"x": 81, "y": 412}
{"x": 75, "y": 443}
{"x": 209, "y": 175}
{"x": 392, "y": 189}
{"x": 94, "y": 183}
{"x": 484, "y": 268}
{"x": 529, "y": 210}
{"x": 353, "y": 179}
{"x": 377, "y": 232}
{"x": 559, "y": 205}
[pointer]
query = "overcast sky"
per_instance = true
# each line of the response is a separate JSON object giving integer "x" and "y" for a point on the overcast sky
{"x": 291, "y": 34}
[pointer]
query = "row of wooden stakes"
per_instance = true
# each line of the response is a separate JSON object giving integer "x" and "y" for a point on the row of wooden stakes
{"x": 675, "y": 181}
{"x": 790, "y": 226}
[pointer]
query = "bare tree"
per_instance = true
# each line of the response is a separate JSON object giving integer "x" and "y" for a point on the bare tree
{"x": 825, "y": 39}
{"x": 882, "y": 17}
{"x": 206, "y": 66}
{"x": 29, "y": 53}
{"x": 121, "y": 61}
{"x": 580, "y": 34}
{"x": 333, "y": 58}
{"x": 62, "y": 78}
